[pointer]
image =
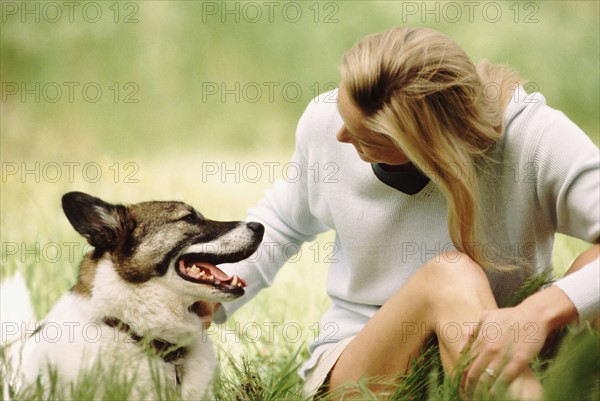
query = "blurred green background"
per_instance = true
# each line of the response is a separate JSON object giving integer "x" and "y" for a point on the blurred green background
{"x": 235, "y": 76}
{"x": 137, "y": 100}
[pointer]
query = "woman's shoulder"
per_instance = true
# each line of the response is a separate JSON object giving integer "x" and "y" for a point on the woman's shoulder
{"x": 535, "y": 129}
{"x": 525, "y": 110}
{"x": 320, "y": 119}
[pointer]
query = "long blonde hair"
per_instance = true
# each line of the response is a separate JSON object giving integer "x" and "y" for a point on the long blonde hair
{"x": 419, "y": 87}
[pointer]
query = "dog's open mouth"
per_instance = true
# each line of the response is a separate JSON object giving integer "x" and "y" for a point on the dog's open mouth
{"x": 207, "y": 273}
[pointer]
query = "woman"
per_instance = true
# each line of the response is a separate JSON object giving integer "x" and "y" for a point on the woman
{"x": 448, "y": 198}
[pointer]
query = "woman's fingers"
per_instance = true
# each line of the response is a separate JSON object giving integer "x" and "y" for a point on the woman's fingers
{"x": 491, "y": 354}
{"x": 481, "y": 375}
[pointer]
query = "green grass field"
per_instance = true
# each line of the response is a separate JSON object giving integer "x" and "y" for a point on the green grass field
{"x": 198, "y": 101}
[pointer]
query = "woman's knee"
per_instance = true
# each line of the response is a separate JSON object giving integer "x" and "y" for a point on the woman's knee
{"x": 451, "y": 267}
{"x": 451, "y": 275}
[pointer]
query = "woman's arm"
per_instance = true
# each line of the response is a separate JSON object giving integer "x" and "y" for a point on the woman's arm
{"x": 285, "y": 212}
{"x": 552, "y": 304}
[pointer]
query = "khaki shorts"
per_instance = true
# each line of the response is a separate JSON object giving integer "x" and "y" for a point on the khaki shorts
{"x": 317, "y": 377}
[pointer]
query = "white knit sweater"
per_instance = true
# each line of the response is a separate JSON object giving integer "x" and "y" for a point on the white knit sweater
{"x": 546, "y": 180}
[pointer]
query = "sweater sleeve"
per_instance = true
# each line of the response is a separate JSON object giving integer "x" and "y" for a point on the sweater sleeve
{"x": 285, "y": 212}
{"x": 582, "y": 288}
{"x": 567, "y": 164}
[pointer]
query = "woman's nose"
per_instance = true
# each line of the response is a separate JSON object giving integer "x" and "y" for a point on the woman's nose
{"x": 342, "y": 135}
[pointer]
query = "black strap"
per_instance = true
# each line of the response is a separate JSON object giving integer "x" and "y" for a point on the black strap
{"x": 167, "y": 351}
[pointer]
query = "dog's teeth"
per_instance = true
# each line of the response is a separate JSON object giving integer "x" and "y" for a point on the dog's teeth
{"x": 202, "y": 274}
{"x": 234, "y": 282}
{"x": 239, "y": 285}
{"x": 193, "y": 269}
{"x": 211, "y": 278}
{"x": 217, "y": 282}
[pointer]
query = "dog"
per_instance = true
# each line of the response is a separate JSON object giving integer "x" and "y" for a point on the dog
{"x": 138, "y": 293}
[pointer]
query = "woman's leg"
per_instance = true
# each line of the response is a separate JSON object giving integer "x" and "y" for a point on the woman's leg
{"x": 447, "y": 293}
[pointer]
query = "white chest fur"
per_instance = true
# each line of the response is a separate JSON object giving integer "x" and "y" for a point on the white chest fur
{"x": 73, "y": 338}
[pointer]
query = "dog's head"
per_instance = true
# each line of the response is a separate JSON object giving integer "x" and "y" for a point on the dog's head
{"x": 167, "y": 241}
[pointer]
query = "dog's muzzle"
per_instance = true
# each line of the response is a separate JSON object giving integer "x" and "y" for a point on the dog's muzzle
{"x": 198, "y": 262}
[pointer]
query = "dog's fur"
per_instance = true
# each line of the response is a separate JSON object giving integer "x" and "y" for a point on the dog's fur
{"x": 131, "y": 294}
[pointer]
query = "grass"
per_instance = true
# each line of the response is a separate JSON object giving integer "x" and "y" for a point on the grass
{"x": 249, "y": 378}
{"x": 256, "y": 364}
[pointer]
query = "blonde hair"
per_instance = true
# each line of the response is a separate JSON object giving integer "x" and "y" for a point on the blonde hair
{"x": 419, "y": 87}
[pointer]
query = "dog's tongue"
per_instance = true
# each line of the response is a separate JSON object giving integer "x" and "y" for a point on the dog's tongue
{"x": 215, "y": 271}
{"x": 207, "y": 272}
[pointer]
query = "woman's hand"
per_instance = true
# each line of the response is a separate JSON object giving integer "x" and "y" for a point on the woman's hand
{"x": 508, "y": 339}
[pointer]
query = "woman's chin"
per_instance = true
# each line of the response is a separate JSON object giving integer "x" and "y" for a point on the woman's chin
{"x": 366, "y": 158}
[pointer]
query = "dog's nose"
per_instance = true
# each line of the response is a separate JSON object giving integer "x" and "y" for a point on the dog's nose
{"x": 256, "y": 227}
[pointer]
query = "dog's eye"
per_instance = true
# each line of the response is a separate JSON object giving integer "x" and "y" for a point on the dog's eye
{"x": 189, "y": 218}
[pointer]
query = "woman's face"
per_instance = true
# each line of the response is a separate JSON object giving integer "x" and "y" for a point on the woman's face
{"x": 371, "y": 146}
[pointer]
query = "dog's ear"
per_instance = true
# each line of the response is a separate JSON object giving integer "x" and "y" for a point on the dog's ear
{"x": 99, "y": 222}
